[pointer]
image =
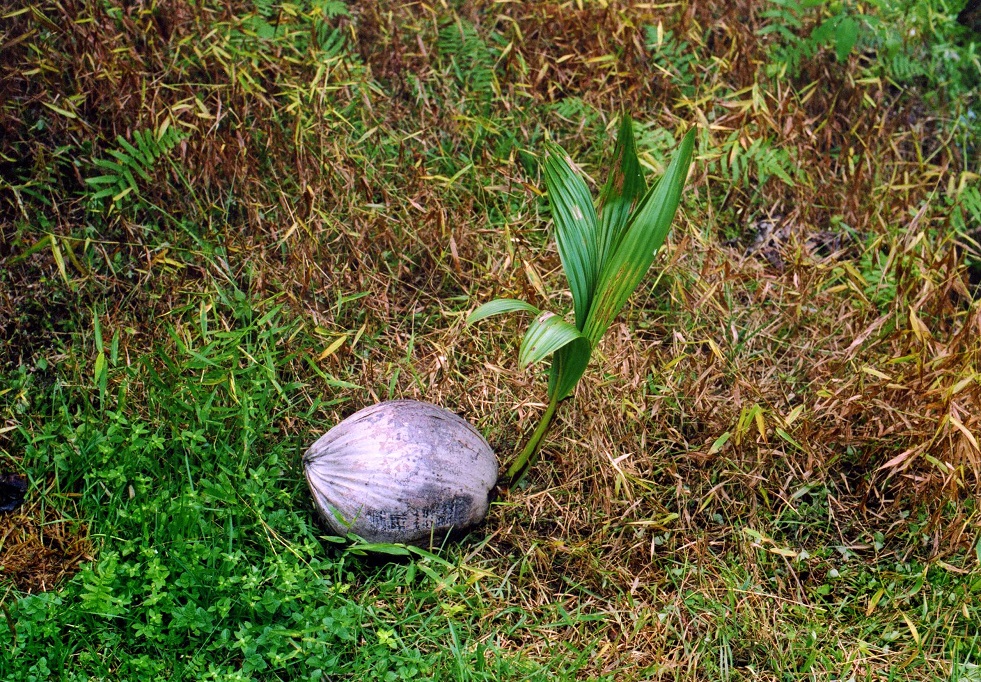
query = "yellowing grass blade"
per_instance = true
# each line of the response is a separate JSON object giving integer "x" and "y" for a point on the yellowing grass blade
{"x": 546, "y": 334}
{"x": 624, "y": 188}
{"x": 645, "y": 234}
{"x": 575, "y": 228}
{"x": 499, "y": 306}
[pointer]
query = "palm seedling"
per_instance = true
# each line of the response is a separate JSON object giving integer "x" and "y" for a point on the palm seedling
{"x": 604, "y": 254}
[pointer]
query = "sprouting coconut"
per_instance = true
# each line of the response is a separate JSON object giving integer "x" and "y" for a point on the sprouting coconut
{"x": 401, "y": 471}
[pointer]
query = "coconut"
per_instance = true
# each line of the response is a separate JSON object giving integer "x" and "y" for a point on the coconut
{"x": 401, "y": 471}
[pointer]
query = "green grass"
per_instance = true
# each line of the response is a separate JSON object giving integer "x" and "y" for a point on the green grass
{"x": 211, "y": 565}
{"x": 779, "y": 485}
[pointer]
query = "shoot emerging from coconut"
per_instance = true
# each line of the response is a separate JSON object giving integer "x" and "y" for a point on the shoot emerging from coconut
{"x": 604, "y": 256}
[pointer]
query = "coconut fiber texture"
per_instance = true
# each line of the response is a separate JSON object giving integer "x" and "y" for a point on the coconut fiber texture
{"x": 401, "y": 471}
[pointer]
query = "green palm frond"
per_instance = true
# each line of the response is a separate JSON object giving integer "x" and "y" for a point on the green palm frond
{"x": 643, "y": 233}
{"x": 646, "y": 231}
{"x": 499, "y": 306}
{"x": 575, "y": 228}
{"x": 623, "y": 190}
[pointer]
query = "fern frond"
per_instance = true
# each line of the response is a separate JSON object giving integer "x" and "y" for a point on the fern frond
{"x": 472, "y": 62}
{"x": 129, "y": 161}
{"x": 966, "y": 218}
{"x": 757, "y": 163}
{"x": 673, "y": 57}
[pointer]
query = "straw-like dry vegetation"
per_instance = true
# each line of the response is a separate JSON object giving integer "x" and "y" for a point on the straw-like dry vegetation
{"x": 225, "y": 226}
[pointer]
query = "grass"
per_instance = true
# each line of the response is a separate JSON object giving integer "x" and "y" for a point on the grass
{"x": 782, "y": 483}
{"x": 211, "y": 565}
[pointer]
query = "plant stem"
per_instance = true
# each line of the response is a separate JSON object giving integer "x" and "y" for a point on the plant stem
{"x": 528, "y": 454}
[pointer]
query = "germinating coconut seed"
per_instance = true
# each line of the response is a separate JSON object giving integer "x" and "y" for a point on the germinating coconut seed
{"x": 401, "y": 471}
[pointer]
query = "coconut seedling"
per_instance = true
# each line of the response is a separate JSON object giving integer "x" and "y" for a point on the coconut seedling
{"x": 605, "y": 253}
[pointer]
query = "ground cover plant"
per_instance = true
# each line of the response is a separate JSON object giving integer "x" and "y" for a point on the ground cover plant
{"x": 226, "y": 226}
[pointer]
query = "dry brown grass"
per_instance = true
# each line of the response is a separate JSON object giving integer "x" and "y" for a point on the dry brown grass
{"x": 316, "y": 184}
{"x": 39, "y": 546}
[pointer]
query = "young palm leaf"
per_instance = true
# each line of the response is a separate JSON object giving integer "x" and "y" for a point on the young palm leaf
{"x": 575, "y": 227}
{"x": 624, "y": 188}
{"x": 647, "y": 228}
{"x": 499, "y": 306}
{"x": 547, "y": 334}
{"x": 604, "y": 258}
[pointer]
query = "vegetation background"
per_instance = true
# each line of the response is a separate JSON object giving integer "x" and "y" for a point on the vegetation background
{"x": 224, "y": 226}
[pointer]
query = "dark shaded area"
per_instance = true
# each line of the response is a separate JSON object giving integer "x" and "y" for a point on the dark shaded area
{"x": 13, "y": 490}
{"x": 970, "y": 16}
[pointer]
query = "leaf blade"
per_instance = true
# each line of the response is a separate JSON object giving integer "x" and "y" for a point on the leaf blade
{"x": 499, "y": 306}
{"x": 644, "y": 236}
{"x": 568, "y": 365}
{"x": 624, "y": 188}
{"x": 133, "y": 151}
{"x": 546, "y": 334}
{"x": 575, "y": 228}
